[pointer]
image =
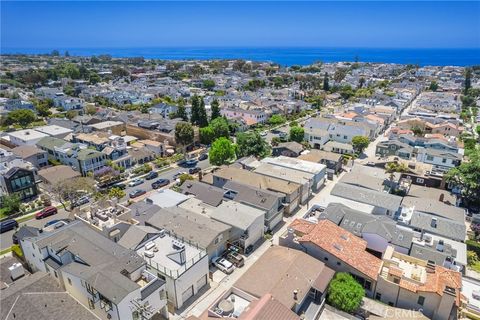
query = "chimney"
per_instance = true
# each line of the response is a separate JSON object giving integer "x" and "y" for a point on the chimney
{"x": 295, "y": 293}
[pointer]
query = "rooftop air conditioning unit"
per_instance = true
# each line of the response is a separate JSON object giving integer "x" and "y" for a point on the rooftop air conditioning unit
{"x": 148, "y": 254}
{"x": 149, "y": 245}
{"x": 16, "y": 271}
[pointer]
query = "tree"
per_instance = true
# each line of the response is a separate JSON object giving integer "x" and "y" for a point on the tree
{"x": 326, "y": 85}
{"x": 22, "y": 117}
{"x": 71, "y": 189}
{"x": 361, "y": 82}
{"x": 67, "y": 54}
{"x": 120, "y": 72}
{"x": 251, "y": 144}
{"x": 184, "y": 177}
{"x": 90, "y": 109}
{"x": 207, "y": 135}
{"x": 345, "y": 293}
{"x": 116, "y": 193}
{"x": 70, "y": 114}
{"x": 297, "y": 134}
{"x": 55, "y": 53}
{"x": 394, "y": 167}
{"x": 215, "y": 110}
{"x": 275, "y": 141}
{"x": 220, "y": 127}
{"x": 94, "y": 78}
{"x": 195, "y": 115}
{"x": 184, "y": 133}
{"x": 276, "y": 120}
{"x": 433, "y": 86}
{"x": 181, "y": 113}
{"x": 472, "y": 258}
{"x": 202, "y": 114}
{"x": 417, "y": 131}
{"x": 221, "y": 152}
{"x": 468, "y": 79}
{"x": 467, "y": 176}
{"x": 43, "y": 109}
{"x": 11, "y": 203}
{"x": 209, "y": 84}
{"x": 359, "y": 143}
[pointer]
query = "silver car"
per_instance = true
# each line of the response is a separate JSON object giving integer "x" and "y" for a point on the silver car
{"x": 224, "y": 265}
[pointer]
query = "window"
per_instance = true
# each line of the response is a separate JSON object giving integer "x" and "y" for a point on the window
{"x": 368, "y": 285}
{"x": 429, "y": 158}
{"x": 338, "y": 263}
{"x": 420, "y": 180}
{"x": 378, "y": 296}
{"x": 396, "y": 280}
{"x": 444, "y": 160}
{"x": 326, "y": 258}
{"x": 421, "y": 300}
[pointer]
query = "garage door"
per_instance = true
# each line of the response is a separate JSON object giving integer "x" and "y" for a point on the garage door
{"x": 187, "y": 293}
{"x": 201, "y": 282}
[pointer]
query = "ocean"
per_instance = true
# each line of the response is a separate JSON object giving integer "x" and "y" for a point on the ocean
{"x": 285, "y": 56}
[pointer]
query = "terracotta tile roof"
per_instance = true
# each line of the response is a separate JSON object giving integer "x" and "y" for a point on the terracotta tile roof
{"x": 436, "y": 282}
{"x": 250, "y": 121}
{"x": 394, "y": 271}
{"x": 375, "y": 118}
{"x": 349, "y": 115}
{"x": 302, "y": 226}
{"x": 343, "y": 245}
{"x": 268, "y": 308}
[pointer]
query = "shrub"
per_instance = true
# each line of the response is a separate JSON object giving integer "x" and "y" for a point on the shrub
{"x": 345, "y": 293}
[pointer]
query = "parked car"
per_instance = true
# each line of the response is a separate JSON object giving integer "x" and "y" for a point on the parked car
{"x": 8, "y": 225}
{"x": 46, "y": 212}
{"x": 152, "y": 175}
{"x": 203, "y": 156}
{"x": 235, "y": 258}
{"x": 283, "y": 135}
{"x": 160, "y": 183}
{"x": 120, "y": 186}
{"x": 194, "y": 170}
{"x": 263, "y": 133}
{"x": 137, "y": 193}
{"x": 178, "y": 174}
{"x": 371, "y": 164}
{"x": 224, "y": 265}
{"x": 191, "y": 162}
{"x": 80, "y": 202}
{"x": 135, "y": 182}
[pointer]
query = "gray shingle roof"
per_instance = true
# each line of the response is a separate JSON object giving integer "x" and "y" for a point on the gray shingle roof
{"x": 207, "y": 193}
{"x": 444, "y": 227}
{"x": 371, "y": 197}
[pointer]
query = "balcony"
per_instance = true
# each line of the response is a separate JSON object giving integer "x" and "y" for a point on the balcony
{"x": 149, "y": 284}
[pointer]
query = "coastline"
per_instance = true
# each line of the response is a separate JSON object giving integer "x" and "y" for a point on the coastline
{"x": 285, "y": 56}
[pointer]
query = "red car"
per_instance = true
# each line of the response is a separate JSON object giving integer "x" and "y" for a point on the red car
{"x": 46, "y": 212}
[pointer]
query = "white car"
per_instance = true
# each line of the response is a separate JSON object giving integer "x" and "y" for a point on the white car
{"x": 224, "y": 265}
{"x": 263, "y": 133}
{"x": 135, "y": 182}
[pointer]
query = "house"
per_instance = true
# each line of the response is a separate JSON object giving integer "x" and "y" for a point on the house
{"x": 337, "y": 248}
{"x": 17, "y": 104}
{"x": 292, "y": 277}
{"x": 56, "y": 174}
{"x": 203, "y": 231}
{"x": 288, "y": 149}
{"x": 439, "y": 158}
{"x": 166, "y": 198}
{"x": 382, "y": 203}
{"x": 416, "y": 284}
{"x": 54, "y": 131}
{"x": 17, "y": 176}
{"x": 333, "y": 161}
{"x": 37, "y": 157}
{"x": 291, "y": 191}
{"x": 338, "y": 147}
{"x": 304, "y": 179}
{"x": 182, "y": 265}
{"x": 68, "y": 103}
{"x": 317, "y": 169}
{"x": 90, "y": 161}
{"x": 207, "y": 193}
{"x": 424, "y": 222}
{"x": 28, "y": 137}
{"x": 251, "y": 117}
{"x": 267, "y": 201}
{"x": 247, "y": 222}
{"x": 113, "y": 282}
{"x": 394, "y": 148}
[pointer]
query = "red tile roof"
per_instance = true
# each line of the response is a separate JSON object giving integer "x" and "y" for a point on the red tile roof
{"x": 340, "y": 243}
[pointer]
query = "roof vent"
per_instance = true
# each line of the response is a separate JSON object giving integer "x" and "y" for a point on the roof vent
{"x": 337, "y": 246}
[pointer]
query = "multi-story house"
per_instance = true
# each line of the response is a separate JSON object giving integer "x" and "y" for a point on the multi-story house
{"x": 109, "y": 280}
{"x": 17, "y": 104}
{"x": 37, "y": 157}
{"x": 251, "y": 117}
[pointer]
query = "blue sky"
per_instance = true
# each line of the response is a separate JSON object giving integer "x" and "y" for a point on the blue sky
{"x": 185, "y": 24}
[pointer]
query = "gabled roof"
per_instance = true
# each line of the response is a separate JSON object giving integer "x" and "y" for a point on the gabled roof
{"x": 370, "y": 197}
{"x": 207, "y": 193}
{"x": 448, "y": 228}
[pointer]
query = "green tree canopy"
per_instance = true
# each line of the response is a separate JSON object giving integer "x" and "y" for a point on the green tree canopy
{"x": 181, "y": 112}
{"x": 22, "y": 117}
{"x": 221, "y": 152}
{"x": 251, "y": 144}
{"x": 43, "y": 107}
{"x": 467, "y": 177}
{"x": 195, "y": 114}
{"x": 345, "y": 293}
{"x": 11, "y": 203}
{"x": 433, "y": 86}
{"x": 220, "y": 127}
{"x": 202, "y": 114}
{"x": 207, "y": 135}
{"x": 184, "y": 133}
{"x": 215, "y": 110}
{"x": 297, "y": 134}
{"x": 116, "y": 193}
{"x": 276, "y": 120}
{"x": 359, "y": 143}
{"x": 70, "y": 114}
{"x": 326, "y": 85}
{"x": 90, "y": 110}
{"x": 208, "y": 84}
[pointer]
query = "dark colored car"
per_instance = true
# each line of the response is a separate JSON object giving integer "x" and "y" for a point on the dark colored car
{"x": 80, "y": 202}
{"x": 46, "y": 212}
{"x": 151, "y": 175}
{"x": 194, "y": 170}
{"x": 8, "y": 225}
{"x": 235, "y": 258}
{"x": 49, "y": 223}
{"x": 160, "y": 183}
{"x": 191, "y": 163}
{"x": 137, "y": 193}
{"x": 202, "y": 157}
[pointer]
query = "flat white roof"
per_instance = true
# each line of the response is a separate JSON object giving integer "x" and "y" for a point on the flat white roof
{"x": 237, "y": 214}
{"x": 297, "y": 164}
{"x": 349, "y": 203}
{"x": 27, "y": 134}
{"x": 53, "y": 130}
{"x": 166, "y": 198}
{"x": 106, "y": 124}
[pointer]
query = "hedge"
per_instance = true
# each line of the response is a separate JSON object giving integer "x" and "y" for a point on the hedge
{"x": 473, "y": 246}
